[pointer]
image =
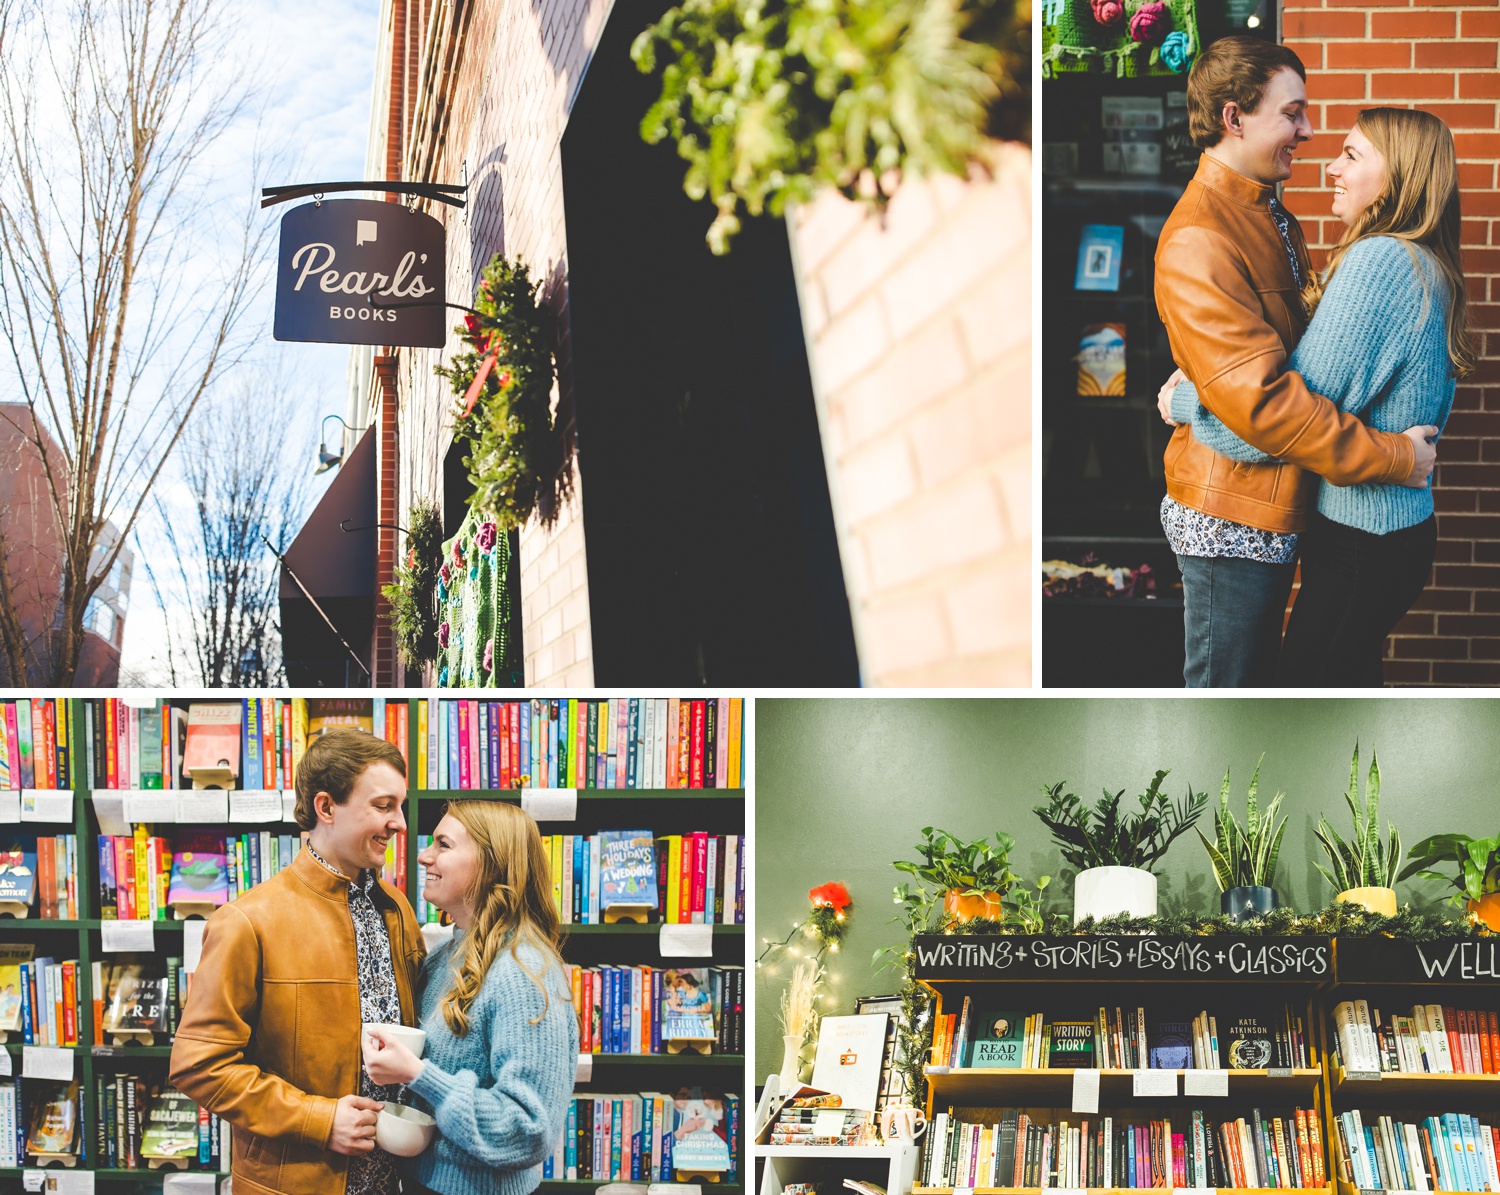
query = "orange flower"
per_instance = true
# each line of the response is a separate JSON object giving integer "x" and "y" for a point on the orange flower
{"x": 832, "y": 895}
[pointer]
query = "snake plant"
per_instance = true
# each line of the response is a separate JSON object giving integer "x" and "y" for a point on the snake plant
{"x": 1245, "y": 855}
{"x": 1364, "y": 861}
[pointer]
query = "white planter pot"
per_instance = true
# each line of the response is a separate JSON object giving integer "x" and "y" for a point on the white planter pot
{"x": 1105, "y": 891}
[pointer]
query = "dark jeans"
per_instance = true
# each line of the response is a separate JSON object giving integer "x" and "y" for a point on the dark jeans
{"x": 1232, "y": 612}
{"x": 1355, "y": 588}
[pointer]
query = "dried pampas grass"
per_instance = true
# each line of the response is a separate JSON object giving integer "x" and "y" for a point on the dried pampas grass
{"x": 797, "y": 1014}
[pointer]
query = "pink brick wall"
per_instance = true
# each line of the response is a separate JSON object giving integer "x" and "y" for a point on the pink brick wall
{"x": 920, "y": 342}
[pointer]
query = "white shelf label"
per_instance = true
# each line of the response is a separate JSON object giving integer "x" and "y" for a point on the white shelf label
{"x": 46, "y": 1062}
{"x": 5, "y": 1062}
{"x": 203, "y": 805}
{"x": 150, "y": 807}
{"x": 551, "y": 804}
{"x": 255, "y": 805}
{"x": 674, "y": 1189}
{"x": 1085, "y": 1090}
{"x": 686, "y": 941}
{"x": 289, "y": 806}
{"x": 1362, "y": 1076}
{"x": 10, "y": 807}
{"x": 128, "y": 935}
{"x": 69, "y": 1182}
{"x": 1154, "y": 1083}
{"x": 32, "y": 1180}
{"x": 192, "y": 943}
{"x": 46, "y": 805}
{"x": 189, "y": 1184}
{"x": 109, "y": 808}
{"x": 1208, "y": 1082}
{"x": 585, "y": 1069}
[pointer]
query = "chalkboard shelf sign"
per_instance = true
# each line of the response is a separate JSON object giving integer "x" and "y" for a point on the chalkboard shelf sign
{"x": 1464, "y": 962}
{"x": 970, "y": 1086}
{"x": 979, "y": 957}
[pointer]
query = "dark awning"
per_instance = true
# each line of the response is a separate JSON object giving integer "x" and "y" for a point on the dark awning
{"x": 328, "y": 560}
{"x": 338, "y": 568}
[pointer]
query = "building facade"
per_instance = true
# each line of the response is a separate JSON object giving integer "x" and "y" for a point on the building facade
{"x": 806, "y": 462}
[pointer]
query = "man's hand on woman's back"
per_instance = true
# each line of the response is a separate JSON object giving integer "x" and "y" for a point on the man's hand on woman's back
{"x": 1425, "y": 458}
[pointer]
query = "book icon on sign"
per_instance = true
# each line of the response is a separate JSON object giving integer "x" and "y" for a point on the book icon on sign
{"x": 848, "y": 1058}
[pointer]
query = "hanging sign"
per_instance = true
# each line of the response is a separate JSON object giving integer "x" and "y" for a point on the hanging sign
{"x": 339, "y": 255}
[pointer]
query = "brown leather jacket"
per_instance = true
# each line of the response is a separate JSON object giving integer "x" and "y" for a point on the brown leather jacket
{"x": 269, "y": 1039}
{"x": 1225, "y": 290}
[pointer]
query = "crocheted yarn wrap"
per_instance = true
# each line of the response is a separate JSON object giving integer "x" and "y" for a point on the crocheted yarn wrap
{"x": 1150, "y": 22}
{"x": 1076, "y": 40}
{"x": 1108, "y": 13}
{"x": 476, "y": 639}
{"x": 1176, "y": 54}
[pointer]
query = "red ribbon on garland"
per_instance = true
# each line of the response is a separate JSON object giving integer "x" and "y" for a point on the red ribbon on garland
{"x": 471, "y": 395}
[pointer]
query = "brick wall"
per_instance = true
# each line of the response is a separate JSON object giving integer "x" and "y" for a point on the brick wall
{"x": 488, "y": 85}
{"x": 920, "y": 339}
{"x": 1441, "y": 57}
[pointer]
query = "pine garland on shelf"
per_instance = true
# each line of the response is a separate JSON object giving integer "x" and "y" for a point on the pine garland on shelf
{"x": 503, "y": 382}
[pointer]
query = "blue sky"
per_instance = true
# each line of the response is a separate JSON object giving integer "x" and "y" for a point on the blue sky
{"x": 313, "y": 66}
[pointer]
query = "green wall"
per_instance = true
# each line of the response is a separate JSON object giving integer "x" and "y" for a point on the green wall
{"x": 842, "y": 788}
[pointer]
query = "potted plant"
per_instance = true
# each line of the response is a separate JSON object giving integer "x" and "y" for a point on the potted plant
{"x": 1364, "y": 868}
{"x": 1115, "y": 853}
{"x": 973, "y": 877}
{"x": 1244, "y": 857}
{"x": 1478, "y": 878}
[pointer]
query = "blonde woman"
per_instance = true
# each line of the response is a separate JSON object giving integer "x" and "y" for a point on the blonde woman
{"x": 502, "y": 1036}
{"x": 1387, "y": 341}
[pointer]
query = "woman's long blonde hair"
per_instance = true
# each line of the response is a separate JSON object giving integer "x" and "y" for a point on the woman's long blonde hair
{"x": 511, "y": 896}
{"x": 1419, "y": 205}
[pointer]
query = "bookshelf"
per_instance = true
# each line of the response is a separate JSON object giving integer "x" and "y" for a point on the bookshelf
{"x": 716, "y": 811}
{"x": 1393, "y": 977}
{"x": 1173, "y": 980}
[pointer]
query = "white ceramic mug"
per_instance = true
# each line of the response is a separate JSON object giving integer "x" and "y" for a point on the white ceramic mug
{"x": 403, "y": 1131}
{"x": 414, "y": 1040}
{"x": 902, "y": 1124}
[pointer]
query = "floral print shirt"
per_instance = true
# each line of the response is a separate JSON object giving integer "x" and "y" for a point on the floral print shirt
{"x": 373, "y": 1173}
{"x": 1193, "y": 533}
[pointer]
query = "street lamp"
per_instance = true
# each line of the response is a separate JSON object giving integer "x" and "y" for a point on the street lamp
{"x": 327, "y": 460}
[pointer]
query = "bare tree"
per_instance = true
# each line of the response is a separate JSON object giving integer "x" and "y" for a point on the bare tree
{"x": 242, "y": 485}
{"x": 117, "y": 312}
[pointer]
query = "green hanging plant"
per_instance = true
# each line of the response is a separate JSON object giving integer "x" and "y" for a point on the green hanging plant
{"x": 517, "y": 459}
{"x": 767, "y": 102}
{"x": 413, "y": 594}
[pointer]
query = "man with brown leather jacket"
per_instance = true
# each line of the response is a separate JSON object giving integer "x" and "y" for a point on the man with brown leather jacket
{"x": 270, "y": 1037}
{"x": 1231, "y": 263}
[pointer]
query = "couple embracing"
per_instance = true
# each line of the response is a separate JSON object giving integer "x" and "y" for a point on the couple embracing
{"x": 272, "y": 1040}
{"x": 1305, "y": 406}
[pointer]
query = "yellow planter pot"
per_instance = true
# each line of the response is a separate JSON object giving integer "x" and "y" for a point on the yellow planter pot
{"x": 1376, "y": 900}
{"x": 980, "y": 904}
{"x": 1486, "y": 910}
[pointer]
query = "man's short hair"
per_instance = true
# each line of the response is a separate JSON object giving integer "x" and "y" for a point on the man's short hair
{"x": 1232, "y": 69}
{"x": 334, "y": 762}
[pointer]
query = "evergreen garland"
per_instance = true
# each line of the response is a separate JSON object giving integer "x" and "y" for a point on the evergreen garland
{"x": 768, "y": 100}
{"x": 413, "y": 595}
{"x": 516, "y": 459}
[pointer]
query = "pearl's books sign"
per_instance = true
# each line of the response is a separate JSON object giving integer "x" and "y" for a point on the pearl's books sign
{"x": 338, "y": 255}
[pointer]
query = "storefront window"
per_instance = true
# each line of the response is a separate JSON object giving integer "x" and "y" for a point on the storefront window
{"x": 1116, "y": 157}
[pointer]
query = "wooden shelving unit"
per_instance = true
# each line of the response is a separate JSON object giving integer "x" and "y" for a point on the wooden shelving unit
{"x": 1171, "y": 980}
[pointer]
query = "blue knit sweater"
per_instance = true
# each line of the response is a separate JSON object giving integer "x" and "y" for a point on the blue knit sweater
{"x": 1377, "y": 345}
{"x": 500, "y": 1095}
